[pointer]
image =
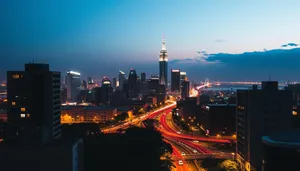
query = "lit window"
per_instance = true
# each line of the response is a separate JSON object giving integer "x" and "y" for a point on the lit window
{"x": 13, "y": 103}
{"x": 27, "y": 115}
{"x": 16, "y": 76}
{"x": 23, "y": 109}
{"x": 22, "y": 115}
{"x": 294, "y": 113}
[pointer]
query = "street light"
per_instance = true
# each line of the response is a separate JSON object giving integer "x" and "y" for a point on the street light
{"x": 233, "y": 154}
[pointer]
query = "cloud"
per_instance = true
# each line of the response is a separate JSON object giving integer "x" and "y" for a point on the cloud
{"x": 280, "y": 64}
{"x": 290, "y": 45}
{"x": 219, "y": 40}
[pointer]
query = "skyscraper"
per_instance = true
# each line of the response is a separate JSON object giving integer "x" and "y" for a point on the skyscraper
{"x": 182, "y": 76}
{"x": 73, "y": 85}
{"x": 121, "y": 79}
{"x": 84, "y": 85}
{"x": 143, "y": 77}
{"x": 185, "y": 89}
{"x": 163, "y": 65}
{"x": 260, "y": 113}
{"x": 106, "y": 90}
{"x": 175, "y": 80}
{"x": 114, "y": 83}
{"x": 153, "y": 83}
{"x": 132, "y": 83}
{"x": 90, "y": 80}
{"x": 34, "y": 103}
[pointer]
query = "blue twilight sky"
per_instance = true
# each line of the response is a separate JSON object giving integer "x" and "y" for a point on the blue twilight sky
{"x": 97, "y": 37}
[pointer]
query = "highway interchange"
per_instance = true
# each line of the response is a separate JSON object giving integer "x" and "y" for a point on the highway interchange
{"x": 187, "y": 149}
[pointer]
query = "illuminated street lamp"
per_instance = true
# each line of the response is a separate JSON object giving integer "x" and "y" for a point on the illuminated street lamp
{"x": 218, "y": 136}
{"x": 234, "y": 136}
{"x": 233, "y": 154}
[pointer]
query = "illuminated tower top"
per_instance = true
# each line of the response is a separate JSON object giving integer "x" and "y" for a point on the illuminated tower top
{"x": 163, "y": 56}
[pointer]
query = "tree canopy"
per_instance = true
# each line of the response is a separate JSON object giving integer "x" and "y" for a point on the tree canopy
{"x": 123, "y": 116}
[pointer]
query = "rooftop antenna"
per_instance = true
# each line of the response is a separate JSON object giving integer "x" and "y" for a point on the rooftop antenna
{"x": 33, "y": 61}
{"x": 269, "y": 78}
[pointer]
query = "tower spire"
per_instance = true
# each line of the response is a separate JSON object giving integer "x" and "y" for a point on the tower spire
{"x": 163, "y": 43}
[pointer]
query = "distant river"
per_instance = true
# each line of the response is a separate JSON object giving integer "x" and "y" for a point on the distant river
{"x": 233, "y": 87}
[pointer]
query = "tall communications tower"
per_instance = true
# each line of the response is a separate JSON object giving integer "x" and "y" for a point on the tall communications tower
{"x": 163, "y": 64}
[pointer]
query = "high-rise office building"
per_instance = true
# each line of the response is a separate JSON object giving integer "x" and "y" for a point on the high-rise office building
{"x": 90, "y": 80}
{"x": 121, "y": 79}
{"x": 143, "y": 84}
{"x": 34, "y": 103}
{"x": 185, "y": 89}
{"x": 106, "y": 90}
{"x": 114, "y": 82}
{"x": 73, "y": 85}
{"x": 153, "y": 83}
{"x": 175, "y": 80}
{"x": 84, "y": 85}
{"x": 132, "y": 83}
{"x": 163, "y": 65}
{"x": 125, "y": 88}
{"x": 295, "y": 88}
{"x": 143, "y": 77}
{"x": 260, "y": 112}
{"x": 182, "y": 76}
{"x": 106, "y": 82}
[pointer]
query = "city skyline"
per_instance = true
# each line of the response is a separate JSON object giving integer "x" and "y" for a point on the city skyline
{"x": 204, "y": 38}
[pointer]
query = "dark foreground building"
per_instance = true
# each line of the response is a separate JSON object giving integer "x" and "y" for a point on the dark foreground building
{"x": 260, "y": 112}
{"x": 32, "y": 138}
{"x": 281, "y": 152}
{"x": 33, "y": 108}
{"x": 59, "y": 155}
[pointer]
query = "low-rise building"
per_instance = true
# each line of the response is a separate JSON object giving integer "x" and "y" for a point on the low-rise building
{"x": 218, "y": 119}
{"x": 137, "y": 104}
{"x": 87, "y": 114}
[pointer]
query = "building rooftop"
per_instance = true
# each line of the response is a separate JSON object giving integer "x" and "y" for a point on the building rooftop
{"x": 98, "y": 108}
{"x": 123, "y": 108}
{"x": 88, "y": 107}
{"x": 67, "y": 107}
{"x": 220, "y": 105}
{"x": 289, "y": 139}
